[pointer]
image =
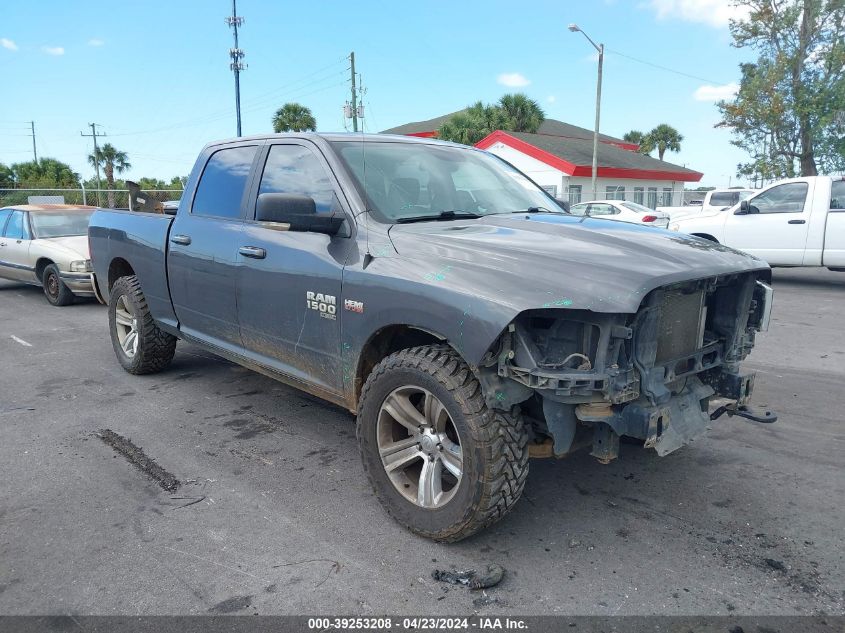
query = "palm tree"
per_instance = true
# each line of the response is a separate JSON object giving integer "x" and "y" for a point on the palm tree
{"x": 111, "y": 160}
{"x": 664, "y": 137}
{"x": 473, "y": 124}
{"x": 634, "y": 136}
{"x": 294, "y": 117}
{"x": 522, "y": 114}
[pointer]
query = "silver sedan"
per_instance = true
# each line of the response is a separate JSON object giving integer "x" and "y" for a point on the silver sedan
{"x": 47, "y": 245}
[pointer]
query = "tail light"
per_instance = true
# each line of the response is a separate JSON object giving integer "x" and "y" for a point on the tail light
{"x": 649, "y": 218}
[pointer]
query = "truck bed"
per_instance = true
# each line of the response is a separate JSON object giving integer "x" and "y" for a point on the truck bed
{"x": 142, "y": 239}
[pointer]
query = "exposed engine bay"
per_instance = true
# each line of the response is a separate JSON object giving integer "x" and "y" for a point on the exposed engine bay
{"x": 585, "y": 378}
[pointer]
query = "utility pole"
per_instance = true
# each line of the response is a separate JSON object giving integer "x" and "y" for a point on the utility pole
{"x": 94, "y": 134}
{"x": 236, "y": 65}
{"x": 600, "y": 48}
{"x": 34, "y": 153}
{"x": 354, "y": 96}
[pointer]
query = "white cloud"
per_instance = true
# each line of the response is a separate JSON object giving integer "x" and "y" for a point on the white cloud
{"x": 551, "y": 98}
{"x": 716, "y": 93}
{"x": 95, "y": 42}
{"x": 53, "y": 50}
{"x": 713, "y": 12}
{"x": 8, "y": 44}
{"x": 513, "y": 80}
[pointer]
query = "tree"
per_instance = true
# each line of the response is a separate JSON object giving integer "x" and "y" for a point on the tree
{"x": 663, "y": 138}
{"x": 111, "y": 160}
{"x": 522, "y": 114}
{"x": 513, "y": 113}
{"x": 47, "y": 173}
{"x": 7, "y": 177}
{"x": 785, "y": 112}
{"x": 294, "y": 117}
{"x": 634, "y": 136}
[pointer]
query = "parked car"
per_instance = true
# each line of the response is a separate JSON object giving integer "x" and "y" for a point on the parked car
{"x": 47, "y": 245}
{"x": 714, "y": 200}
{"x": 441, "y": 295}
{"x": 795, "y": 222}
{"x": 621, "y": 210}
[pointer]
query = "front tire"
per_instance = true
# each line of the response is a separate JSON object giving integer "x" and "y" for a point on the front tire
{"x": 57, "y": 293}
{"x": 140, "y": 346}
{"x": 440, "y": 461}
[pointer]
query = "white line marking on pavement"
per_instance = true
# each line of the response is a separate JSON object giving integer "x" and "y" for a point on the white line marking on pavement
{"x": 21, "y": 341}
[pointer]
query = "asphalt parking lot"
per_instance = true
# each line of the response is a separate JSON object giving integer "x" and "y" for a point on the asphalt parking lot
{"x": 274, "y": 514}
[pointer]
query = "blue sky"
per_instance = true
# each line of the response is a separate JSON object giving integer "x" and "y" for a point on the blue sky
{"x": 155, "y": 74}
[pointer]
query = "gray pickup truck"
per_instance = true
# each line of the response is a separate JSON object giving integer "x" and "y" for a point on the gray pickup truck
{"x": 443, "y": 297}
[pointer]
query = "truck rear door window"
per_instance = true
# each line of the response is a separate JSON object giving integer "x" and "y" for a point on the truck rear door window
{"x": 837, "y": 195}
{"x": 296, "y": 170}
{"x": 221, "y": 187}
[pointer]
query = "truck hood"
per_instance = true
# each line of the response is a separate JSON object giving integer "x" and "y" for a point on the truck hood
{"x": 554, "y": 260}
{"x": 73, "y": 246}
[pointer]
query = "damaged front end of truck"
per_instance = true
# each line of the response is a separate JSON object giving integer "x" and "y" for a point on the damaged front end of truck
{"x": 583, "y": 378}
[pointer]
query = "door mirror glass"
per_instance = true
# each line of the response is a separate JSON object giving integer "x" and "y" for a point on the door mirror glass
{"x": 296, "y": 211}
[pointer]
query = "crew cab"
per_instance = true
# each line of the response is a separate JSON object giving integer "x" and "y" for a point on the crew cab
{"x": 793, "y": 222}
{"x": 443, "y": 297}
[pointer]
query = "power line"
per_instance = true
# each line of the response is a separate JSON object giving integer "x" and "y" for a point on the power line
{"x": 669, "y": 70}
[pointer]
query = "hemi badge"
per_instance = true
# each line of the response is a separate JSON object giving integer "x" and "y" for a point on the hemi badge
{"x": 354, "y": 306}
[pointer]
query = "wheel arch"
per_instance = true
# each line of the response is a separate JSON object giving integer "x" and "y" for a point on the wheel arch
{"x": 40, "y": 265}
{"x": 118, "y": 268}
{"x": 705, "y": 236}
{"x": 384, "y": 342}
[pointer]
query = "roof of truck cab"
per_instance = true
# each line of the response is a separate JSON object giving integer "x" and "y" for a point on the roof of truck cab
{"x": 48, "y": 208}
{"x": 337, "y": 136}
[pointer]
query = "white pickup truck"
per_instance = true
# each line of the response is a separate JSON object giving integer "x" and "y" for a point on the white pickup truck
{"x": 794, "y": 222}
{"x": 714, "y": 200}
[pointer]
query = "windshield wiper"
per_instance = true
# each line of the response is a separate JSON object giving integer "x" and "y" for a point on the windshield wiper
{"x": 537, "y": 210}
{"x": 443, "y": 215}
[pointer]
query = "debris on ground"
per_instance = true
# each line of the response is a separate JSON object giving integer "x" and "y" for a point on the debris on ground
{"x": 775, "y": 564}
{"x": 136, "y": 456}
{"x": 574, "y": 542}
{"x": 489, "y": 577}
{"x": 485, "y": 600}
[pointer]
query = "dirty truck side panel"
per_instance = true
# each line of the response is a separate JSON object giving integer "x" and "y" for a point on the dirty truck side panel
{"x": 140, "y": 240}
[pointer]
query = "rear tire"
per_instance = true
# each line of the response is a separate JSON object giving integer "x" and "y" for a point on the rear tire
{"x": 140, "y": 346}
{"x": 457, "y": 433}
{"x": 57, "y": 293}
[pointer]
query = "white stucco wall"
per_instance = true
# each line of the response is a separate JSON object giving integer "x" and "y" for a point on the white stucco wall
{"x": 547, "y": 176}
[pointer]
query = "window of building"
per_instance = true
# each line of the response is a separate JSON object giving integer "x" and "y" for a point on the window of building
{"x": 295, "y": 169}
{"x": 221, "y": 187}
{"x": 551, "y": 190}
{"x": 652, "y": 198}
{"x": 667, "y": 196}
{"x": 574, "y": 194}
{"x": 615, "y": 192}
{"x": 639, "y": 195}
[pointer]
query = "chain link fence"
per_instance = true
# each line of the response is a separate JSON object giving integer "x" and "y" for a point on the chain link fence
{"x": 651, "y": 197}
{"x": 107, "y": 198}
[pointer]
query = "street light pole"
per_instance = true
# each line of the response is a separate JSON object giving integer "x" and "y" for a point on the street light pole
{"x": 600, "y": 48}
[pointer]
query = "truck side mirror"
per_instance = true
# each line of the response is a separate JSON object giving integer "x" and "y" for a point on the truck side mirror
{"x": 746, "y": 208}
{"x": 299, "y": 213}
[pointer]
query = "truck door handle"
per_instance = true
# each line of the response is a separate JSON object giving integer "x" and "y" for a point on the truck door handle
{"x": 252, "y": 251}
{"x": 184, "y": 240}
{"x": 797, "y": 222}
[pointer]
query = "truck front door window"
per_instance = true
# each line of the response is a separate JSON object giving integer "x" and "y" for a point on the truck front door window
{"x": 788, "y": 198}
{"x": 295, "y": 169}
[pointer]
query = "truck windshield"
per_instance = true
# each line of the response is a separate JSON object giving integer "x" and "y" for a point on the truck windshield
{"x": 46, "y": 225}
{"x": 417, "y": 181}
